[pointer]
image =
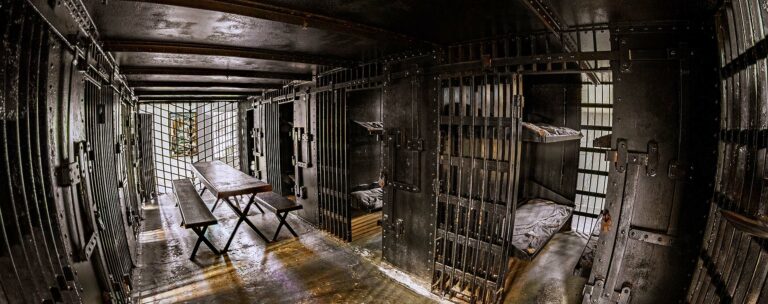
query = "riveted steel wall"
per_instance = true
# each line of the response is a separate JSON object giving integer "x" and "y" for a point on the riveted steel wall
{"x": 33, "y": 257}
{"x": 733, "y": 265}
{"x": 62, "y": 242}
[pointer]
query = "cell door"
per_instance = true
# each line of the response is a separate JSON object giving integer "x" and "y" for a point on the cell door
{"x": 250, "y": 142}
{"x": 408, "y": 169}
{"x": 478, "y": 161}
{"x": 305, "y": 155}
{"x": 257, "y": 144}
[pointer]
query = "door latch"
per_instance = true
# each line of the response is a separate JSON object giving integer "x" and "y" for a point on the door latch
{"x": 622, "y": 157}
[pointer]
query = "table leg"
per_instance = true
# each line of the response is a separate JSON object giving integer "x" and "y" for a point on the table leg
{"x": 243, "y": 218}
{"x": 215, "y": 204}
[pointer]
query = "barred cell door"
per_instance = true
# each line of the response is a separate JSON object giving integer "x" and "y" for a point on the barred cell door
{"x": 332, "y": 170}
{"x": 478, "y": 161}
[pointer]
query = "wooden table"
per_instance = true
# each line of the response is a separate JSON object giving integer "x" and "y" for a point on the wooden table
{"x": 224, "y": 182}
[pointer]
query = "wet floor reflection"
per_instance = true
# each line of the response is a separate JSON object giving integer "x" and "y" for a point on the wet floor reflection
{"x": 311, "y": 269}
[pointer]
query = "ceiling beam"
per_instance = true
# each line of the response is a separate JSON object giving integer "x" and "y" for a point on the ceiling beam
{"x": 191, "y": 99}
{"x": 200, "y": 84}
{"x": 260, "y": 10}
{"x": 195, "y": 93}
{"x": 138, "y": 70}
{"x": 550, "y": 19}
{"x": 220, "y": 50}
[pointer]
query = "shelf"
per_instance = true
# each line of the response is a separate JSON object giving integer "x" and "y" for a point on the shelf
{"x": 548, "y": 134}
{"x": 373, "y": 127}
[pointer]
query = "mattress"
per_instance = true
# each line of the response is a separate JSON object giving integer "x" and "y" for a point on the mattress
{"x": 545, "y": 130}
{"x": 536, "y": 222}
{"x": 368, "y": 199}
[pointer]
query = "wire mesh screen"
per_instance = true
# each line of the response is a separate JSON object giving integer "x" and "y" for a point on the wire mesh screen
{"x": 188, "y": 132}
{"x": 596, "y": 121}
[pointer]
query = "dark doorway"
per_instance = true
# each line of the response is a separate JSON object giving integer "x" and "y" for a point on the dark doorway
{"x": 287, "y": 155}
{"x": 366, "y": 185}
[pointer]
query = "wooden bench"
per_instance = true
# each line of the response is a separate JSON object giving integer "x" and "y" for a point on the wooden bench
{"x": 194, "y": 213}
{"x": 281, "y": 206}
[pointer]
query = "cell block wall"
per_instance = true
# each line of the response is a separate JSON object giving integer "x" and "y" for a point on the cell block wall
{"x": 188, "y": 132}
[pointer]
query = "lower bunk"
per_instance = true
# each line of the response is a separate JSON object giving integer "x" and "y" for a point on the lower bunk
{"x": 366, "y": 201}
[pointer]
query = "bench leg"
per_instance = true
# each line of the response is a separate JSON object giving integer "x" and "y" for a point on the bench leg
{"x": 243, "y": 218}
{"x": 280, "y": 226}
{"x": 215, "y": 204}
{"x": 202, "y": 191}
{"x": 202, "y": 239}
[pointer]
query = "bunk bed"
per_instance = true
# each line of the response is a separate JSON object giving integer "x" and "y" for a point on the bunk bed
{"x": 367, "y": 197}
{"x": 545, "y": 133}
{"x": 541, "y": 212}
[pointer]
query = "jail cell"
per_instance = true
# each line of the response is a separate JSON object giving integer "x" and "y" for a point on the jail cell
{"x": 478, "y": 164}
{"x": 188, "y": 132}
{"x": 733, "y": 264}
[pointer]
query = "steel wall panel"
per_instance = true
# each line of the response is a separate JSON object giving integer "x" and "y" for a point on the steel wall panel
{"x": 732, "y": 265}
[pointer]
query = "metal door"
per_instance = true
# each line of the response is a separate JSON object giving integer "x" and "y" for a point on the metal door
{"x": 250, "y": 143}
{"x": 257, "y": 144}
{"x": 408, "y": 169}
{"x": 478, "y": 162}
{"x": 305, "y": 153}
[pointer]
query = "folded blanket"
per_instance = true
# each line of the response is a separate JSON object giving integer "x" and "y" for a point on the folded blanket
{"x": 546, "y": 130}
{"x": 367, "y": 199}
{"x": 535, "y": 223}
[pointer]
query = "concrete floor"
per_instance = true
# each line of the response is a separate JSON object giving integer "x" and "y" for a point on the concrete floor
{"x": 314, "y": 268}
{"x": 549, "y": 279}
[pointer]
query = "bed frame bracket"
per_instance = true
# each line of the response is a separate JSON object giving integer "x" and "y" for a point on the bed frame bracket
{"x": 651, "y": 237}
{"x": 68, "y": 175}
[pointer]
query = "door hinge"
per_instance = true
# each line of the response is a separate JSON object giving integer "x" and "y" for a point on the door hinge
{"x": 89, "y": 247}
{"x": 399, "y": 228}
{"x": 651, "y": 237}
{"x": 68, "y": 175}
{"x": 593, "y": 293}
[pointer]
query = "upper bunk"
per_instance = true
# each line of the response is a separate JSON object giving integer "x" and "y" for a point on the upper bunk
{"x": 545, "y": 133}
